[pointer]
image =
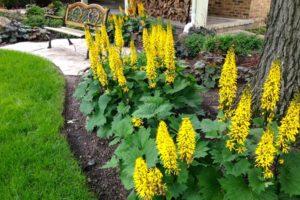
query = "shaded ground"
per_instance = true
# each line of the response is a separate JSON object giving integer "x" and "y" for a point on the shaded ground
{"x": 91, "y": 151}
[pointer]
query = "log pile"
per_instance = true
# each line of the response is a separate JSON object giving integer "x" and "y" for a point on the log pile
{"x": 176, "y": 10}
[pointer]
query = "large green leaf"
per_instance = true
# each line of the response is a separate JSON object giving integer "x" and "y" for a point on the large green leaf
{"x": 235, "y": 188}
{"x": 97, "y": 119}
{"x": 201, "y": 149}
{"x": 238, "y": 168}
{"x": 289, "y": 174}
{"x": 112, "y": 163}
{"x": 123, "y": 127}
{"x": 212, "y": 129}
{"x": 103, "y": 101}
{"x": 81, "y": 90}
{"x": 256, "y": 181}
{"x": 150, "y": 152}
{"x": 209, "y": 186}
{"x": 86, "y": 107}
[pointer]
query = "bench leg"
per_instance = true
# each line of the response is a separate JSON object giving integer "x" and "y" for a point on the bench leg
{"x": 70, "y": 42}
{"x": 88, "y": 54}
{"x": 50, "y": 40}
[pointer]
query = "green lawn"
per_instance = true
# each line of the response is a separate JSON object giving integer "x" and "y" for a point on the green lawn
{"x": 35, "y": 159}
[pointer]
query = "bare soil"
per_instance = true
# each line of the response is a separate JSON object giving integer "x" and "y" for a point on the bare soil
{"x": 91, "y": 152}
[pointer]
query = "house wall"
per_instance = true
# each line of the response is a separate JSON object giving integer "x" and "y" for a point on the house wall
{"x": 244, "y": 9}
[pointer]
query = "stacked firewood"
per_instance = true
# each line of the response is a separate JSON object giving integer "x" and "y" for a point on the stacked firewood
{"x": 176, "y": 10}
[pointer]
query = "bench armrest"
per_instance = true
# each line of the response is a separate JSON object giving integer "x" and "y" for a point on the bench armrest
{"x": 54, "y": 17}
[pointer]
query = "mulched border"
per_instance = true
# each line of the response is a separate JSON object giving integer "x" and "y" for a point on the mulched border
{"x": 90, "y": 151}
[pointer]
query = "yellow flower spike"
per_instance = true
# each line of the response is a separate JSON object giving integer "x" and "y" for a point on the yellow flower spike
{"x": 116, "y": 67}
{"x": 98, "y": 40}
{"x": 265, "y": 153}
{"x": 166, "y": 148}
{"x": 146, "y": 40}
{"x": 147, "y": 182}
{"x": 101, "y": 74}
{"x": 88, "y": 37}
{"x": 186, "y": 141}
{"x": 240, "y": 123}
{"x": 133, "y": 54}
{"x": 271, "y": 90}
{"x": 169, "y": 58}
{"x": 137, "y": 122}
{"x": 290, "y": 125}
{"x": 141, "y": 9}
{"x": 228, "y": 82}
{"x": 119, "y": 41}
{"x": 105, "y": 38}
{"x": 151, "y": 69}
{"x": 94, "y": 59}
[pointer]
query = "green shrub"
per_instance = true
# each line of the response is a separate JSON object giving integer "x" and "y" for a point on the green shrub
{"x": 22, "y": 3}
{"x": 34, "y": 10}
{"x": 243, "y": 43}
{"x": 194, "y": 44}
{"x": 35, "y": 21}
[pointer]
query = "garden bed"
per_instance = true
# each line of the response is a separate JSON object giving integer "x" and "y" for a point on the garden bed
{"x": 91, "y": 151}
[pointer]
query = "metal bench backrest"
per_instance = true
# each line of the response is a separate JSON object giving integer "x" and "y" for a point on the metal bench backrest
{"x": 79, "y": 14}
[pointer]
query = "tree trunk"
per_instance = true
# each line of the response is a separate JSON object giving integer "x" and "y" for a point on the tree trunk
{"x": 282, "y": 42}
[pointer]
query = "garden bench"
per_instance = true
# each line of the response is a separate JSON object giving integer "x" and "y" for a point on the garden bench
{"x": 77, "y": 17}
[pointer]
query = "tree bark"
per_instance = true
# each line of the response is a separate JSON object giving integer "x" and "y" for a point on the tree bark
{"x": 282, "y": 42}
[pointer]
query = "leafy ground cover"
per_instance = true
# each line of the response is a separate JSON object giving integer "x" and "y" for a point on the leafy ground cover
{"x": 36, "y": 162}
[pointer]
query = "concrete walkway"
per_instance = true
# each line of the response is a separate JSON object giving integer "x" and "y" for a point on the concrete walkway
{"x": 71, "y": 59}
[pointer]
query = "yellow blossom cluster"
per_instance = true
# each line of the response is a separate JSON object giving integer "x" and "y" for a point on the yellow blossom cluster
{"x": 240, "y": 123}
{"x": 228, "y": 82}
{"x": 159, "y": 48}
{"x": 96, "y": 66}
{"x": 133, "y": 55}
{"x": 141, "y": 9}
{"x": 169, "y": 58}
{"x": 137, "y": 122}
{"x": 265, "y": 153}
{"x": 147, "y": 182}
{"x": 102, "y": 40}
{"x": 119, "y": 41}
{"x": 116, "y": 66}
{"x": 88, "y": 37}
{"x": 186, "y": 141}
{"x": 290, "y": 125}
{"x": 166, "y": 148}
{"x": 271, "y": 90}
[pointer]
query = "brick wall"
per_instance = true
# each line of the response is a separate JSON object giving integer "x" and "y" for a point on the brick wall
{"x": 259, "y": 9}
{"x": 240, "y": 8}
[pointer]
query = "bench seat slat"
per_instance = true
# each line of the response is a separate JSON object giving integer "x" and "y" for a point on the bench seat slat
{"x": 66, "y": 30}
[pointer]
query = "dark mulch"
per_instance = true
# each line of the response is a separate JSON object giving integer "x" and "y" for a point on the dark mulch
{"x": 91, "y": 152}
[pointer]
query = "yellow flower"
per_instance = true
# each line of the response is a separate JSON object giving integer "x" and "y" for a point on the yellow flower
{"x": 151, "y": 69}
{"x": 240, "y": 123}
{"x": 146, "y": 39}
{"x": 105, "y": 39}
{"x": 265, "y": 153}
{"x": 116, "y": 66}
{"x": 166, "y": 148}
{"x": 228, "y": 82}
{"x": 94, "y": 59}
{"x": 88, "y": 37}
{"x": 169, "y": 58}
{"x": 119, "y": 41}
{"x": 162, "y": 35}
{"x": 98, "y": 40}
{"x": 141, "y": 9}
{"x": 147, "y": 182}
{"x": 186, "y": 141}
{"x": 137, "y": 122}
{"x": 271, "y": 90}
{"x": 281, "y": 161}
{"x": 289, "y": 127}
{"x": 101, "y": 74}
{"x": 133, "y": 54}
